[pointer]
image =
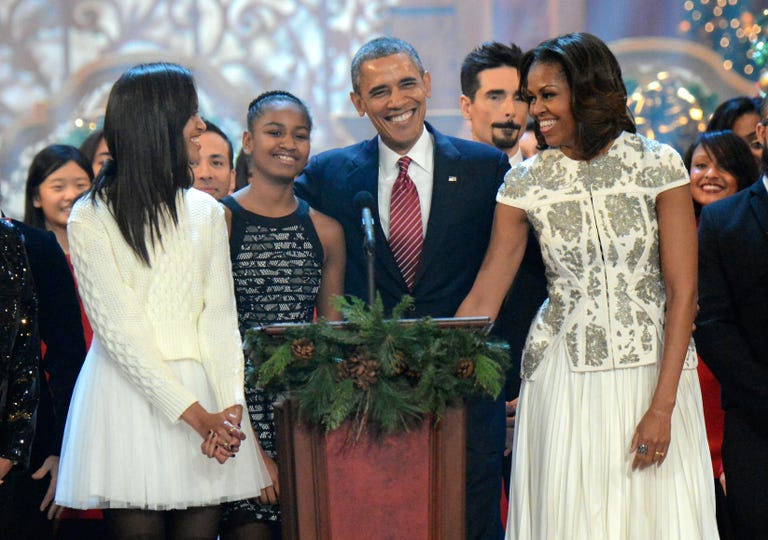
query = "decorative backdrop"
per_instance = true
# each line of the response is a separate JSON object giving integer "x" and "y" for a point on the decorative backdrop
{"x": 59, "y": 58}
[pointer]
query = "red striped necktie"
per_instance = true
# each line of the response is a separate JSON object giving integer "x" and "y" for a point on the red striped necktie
{"x": 405, "y": 229}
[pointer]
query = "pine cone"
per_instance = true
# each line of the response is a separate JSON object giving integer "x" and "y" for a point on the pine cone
{"x": 357, "y": 354}
{"x": 366, "y": 373}
{"x": 303, "y": 349}
{"x": 465, "y": 368}
{"x": 399, "y": 365}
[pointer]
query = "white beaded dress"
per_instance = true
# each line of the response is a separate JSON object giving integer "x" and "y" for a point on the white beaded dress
{"x": 592, "y": 357}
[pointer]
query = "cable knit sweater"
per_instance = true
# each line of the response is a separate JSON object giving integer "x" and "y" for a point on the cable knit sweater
{"x": 182, "y": 307}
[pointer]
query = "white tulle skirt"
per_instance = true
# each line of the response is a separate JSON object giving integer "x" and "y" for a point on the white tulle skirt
{"x": 572, "y": 470}
{"x": 120, "y": 452}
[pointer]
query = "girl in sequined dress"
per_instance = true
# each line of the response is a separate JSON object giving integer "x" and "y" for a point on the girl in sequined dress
{"x": 287, "y": 261}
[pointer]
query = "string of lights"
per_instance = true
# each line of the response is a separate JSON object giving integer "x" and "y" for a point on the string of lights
{"x": 736, "y": 29}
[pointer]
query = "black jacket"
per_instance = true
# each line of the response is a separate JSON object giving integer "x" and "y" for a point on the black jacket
{"x": 731, "y": 324}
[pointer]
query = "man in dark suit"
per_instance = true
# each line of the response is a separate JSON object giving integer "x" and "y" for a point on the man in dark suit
{"x": 732, "y": 337}
{"x": 456, "y": 181}
{"x": 491, "y": 102}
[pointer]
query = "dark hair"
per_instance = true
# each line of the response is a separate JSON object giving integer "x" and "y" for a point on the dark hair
{"x": 731, "y": 110}
{"x": 257, "y": 106}
{"x": 147, "y": 110}
{"x": 380, "y": 48}
{"x": 242, "y": 171}
{"x": 732, "y": 155}
{"x": 598, "y": 94}
{"x": 488, "y": 55}
{"x": 91, "y": 143}
{"x": 46, "y": 162}
{"x": 764, "y": 109}
{"x": 213, "y": 128}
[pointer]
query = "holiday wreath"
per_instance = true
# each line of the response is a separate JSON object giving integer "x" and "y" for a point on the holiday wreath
{"x": 382, "y": 374}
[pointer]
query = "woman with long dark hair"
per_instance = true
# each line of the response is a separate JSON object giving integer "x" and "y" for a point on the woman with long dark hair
{"x": 165, "y": 370}
{"x": 609, "y": 436}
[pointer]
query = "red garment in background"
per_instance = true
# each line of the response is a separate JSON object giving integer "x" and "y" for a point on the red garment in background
{"x": 71, "y": 513}
{"x": 714, "y": 416}
{"x": 87, "y": 330}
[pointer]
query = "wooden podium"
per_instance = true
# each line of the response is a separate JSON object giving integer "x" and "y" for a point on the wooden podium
{"x": 405, "y": 486}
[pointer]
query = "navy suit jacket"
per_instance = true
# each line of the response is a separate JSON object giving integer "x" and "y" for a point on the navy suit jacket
{"x": 732, "y": 324}
{"x": 466, "y": 177}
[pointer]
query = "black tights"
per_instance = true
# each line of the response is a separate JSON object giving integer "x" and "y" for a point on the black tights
{"x": 199, "y": 523}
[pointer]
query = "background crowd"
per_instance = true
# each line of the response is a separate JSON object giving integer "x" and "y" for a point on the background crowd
{"x": 581, "y": 246}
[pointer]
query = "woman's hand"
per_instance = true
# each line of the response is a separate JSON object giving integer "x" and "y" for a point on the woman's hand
{"x": 270, "y": 494}
{"x": 220, "y": 431}
{"x": 722, "y": 482}
{"x": 651, "y": 440}
{"x": 211, "y": 448}
{"x": 5, "y": 467}
{"x": 49, "y": 466}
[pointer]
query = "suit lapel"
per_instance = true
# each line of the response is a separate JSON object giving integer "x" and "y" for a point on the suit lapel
{"x": 447, "y": 164}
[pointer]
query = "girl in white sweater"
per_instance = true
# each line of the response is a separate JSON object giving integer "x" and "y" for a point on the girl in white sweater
{"x": 165, "y": 371}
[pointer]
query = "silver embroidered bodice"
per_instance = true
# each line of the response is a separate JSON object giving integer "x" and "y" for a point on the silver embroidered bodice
{"x": 597, "y": 227}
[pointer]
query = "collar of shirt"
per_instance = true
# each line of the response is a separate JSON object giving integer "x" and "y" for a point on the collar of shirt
{"x": 516, "y": 158}
{"x": 765, "y": 181}
{"x": 421, "y": 171}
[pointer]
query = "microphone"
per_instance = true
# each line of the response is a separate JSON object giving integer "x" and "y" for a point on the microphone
{"x": 363, "y": 203}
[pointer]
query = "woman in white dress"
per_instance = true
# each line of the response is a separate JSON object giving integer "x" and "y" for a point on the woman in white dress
{"x": 163, "y": 379}
{"x": 609, "y": 438}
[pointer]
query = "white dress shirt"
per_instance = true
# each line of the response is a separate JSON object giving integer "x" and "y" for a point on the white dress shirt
{"x": 421, "y": 172}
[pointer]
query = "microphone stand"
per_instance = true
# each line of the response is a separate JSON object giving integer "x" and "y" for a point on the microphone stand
{"x": 364, "y": 203}
{"x": 370, "y": 258}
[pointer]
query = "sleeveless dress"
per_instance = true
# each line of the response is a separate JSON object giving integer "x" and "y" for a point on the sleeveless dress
{"x": 276, "y": 265}
{"x": 593, "y": 354}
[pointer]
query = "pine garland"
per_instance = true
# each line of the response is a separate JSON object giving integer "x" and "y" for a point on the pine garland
{"x": 383, "y": 376}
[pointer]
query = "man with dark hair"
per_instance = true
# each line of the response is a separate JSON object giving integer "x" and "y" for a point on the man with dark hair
{"x": 214, "y": 171}
{"x": 731, "y": 337}
{"x": 490, "y": 98}
{"x": 491, "y": 102}
{"x": 433, "y": 201}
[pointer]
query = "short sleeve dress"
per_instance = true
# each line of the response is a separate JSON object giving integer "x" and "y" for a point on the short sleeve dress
{"x": 593, "y": 354}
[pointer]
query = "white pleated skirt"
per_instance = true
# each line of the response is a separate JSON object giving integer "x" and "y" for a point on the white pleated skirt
{"x": 572, "y": 472}
{"x": 120, "y": 452}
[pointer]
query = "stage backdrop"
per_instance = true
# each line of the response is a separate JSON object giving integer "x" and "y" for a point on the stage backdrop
{"x": 59, "y": 58}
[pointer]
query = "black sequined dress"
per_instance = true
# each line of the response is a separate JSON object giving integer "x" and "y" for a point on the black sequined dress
{"x": 19, "y": 348}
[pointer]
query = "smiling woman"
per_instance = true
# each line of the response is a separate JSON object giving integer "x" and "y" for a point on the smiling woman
{"x": 609, "y": 417}
{"x": 719, "y": 164}
{"x": 58, "y": 175}
{"x": 288, "y": 260}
